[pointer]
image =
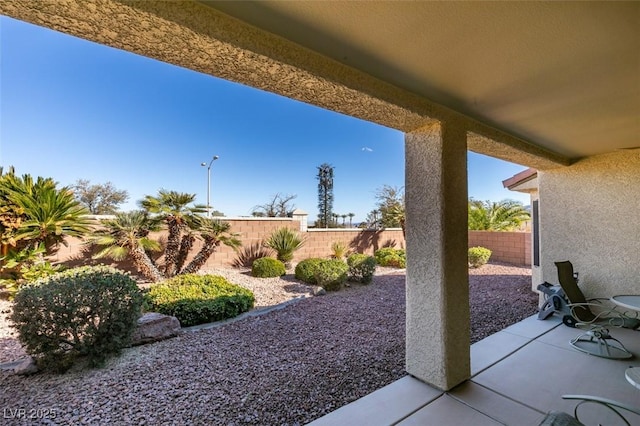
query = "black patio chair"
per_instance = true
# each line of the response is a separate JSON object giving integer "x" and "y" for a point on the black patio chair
{"x": 596, "y": 340}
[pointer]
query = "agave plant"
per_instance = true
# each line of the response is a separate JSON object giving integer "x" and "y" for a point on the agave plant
{"x": 285, "y": 242}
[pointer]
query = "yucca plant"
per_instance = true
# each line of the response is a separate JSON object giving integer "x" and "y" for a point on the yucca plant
{"x": 339, "y": 250}
{"x": 285, "y": 242}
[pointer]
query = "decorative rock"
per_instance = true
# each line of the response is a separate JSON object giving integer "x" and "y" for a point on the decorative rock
{"x": 153, "y": 327}
{"x": 25, "y": 367}
{"x": 319, "y": 291}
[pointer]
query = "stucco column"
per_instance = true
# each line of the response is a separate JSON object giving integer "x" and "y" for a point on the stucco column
{"x": 438, "y": 336}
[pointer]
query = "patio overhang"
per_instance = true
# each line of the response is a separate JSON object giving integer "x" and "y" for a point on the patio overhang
{"x": 452, "y": 76}
{"x": 206, "y": 40}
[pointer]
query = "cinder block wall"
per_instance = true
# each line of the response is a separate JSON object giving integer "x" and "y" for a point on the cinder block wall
{"x": 508, "y": 247}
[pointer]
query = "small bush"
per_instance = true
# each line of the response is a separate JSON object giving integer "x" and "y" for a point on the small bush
{"x": 88, "y": 311}
{"x": 478, "y": 256}
{"x": 267, "y": 267}
{"x": 361, "y": 267}
{"x": 306, "y": 270}
{"x": 331, "y": 274}
{"x": 389, "y": 256}
{"x": 198, "y": 299}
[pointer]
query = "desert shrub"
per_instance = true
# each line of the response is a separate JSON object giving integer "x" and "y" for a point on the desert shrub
{"x": 306, "y": 270}
{"x": 198, "y": 299}
{"x": 389, "y": 256}
{"x": 248, "y": 254}
{"x": 284, "y": 241}
{"x": 20, "y": 267}
{"x": 361, "y": 267}
{"x": 331, "y": 274}
{"x": 339, "y": 250}
{"x": 478, "y": 256}
{"x": 267, "y": 267}
{"x": 88, "y": 311}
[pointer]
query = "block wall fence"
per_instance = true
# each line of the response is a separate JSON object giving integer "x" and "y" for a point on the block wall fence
{"x": 509, "y": 247}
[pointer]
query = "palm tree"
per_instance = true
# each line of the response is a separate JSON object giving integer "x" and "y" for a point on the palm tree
{"x": 11, "y": 216}
{"x": 50, "y": 214}
{"x": 344, "y": 217}
{"x": 171, "y": 207}
{"x": 395, "y": 215}
{"x": 128, "y": 235}
{"x": 351, "y": 215}
{"x": 213, "y": 232}
{"x": 505, "y": 215}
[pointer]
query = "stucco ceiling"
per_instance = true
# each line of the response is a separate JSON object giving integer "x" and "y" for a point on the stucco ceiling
{"x": 564, "y": 75}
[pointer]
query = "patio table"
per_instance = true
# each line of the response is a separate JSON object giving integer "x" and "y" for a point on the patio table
{"x": 628, "y": 301}
{"x": 633, "y": 376}
{"x": 632, "y": 302}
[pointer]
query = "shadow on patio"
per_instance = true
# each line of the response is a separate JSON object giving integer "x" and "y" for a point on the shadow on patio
{"x": 518, "y": 375}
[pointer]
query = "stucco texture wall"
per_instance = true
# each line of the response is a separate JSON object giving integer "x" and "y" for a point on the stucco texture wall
{"x": 590, "y": 215}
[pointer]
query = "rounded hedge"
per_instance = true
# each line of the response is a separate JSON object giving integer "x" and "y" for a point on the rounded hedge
{"x": 389, "y": 256}
{"x": 88, "y": 311}
{"x": 361, "y": 267}
{"x": 198, "y": 299}
{"x": 306, "y": 270}
{"x": 331, "y": 274}
{"x": 478, "y": 256}
{"x": 267, "y": 267}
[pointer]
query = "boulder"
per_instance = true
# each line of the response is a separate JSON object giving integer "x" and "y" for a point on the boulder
{"x": 153, "y": 327}
{"x": 318, "y": 291}
{"x": 24, "y": 367}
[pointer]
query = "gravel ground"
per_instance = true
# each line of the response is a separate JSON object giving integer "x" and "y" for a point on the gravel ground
{"x": 286, "y": 367}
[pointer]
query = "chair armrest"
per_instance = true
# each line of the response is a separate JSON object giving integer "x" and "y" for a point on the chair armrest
{"x": 609, "y": 403}
{"x": 597, "y": 316}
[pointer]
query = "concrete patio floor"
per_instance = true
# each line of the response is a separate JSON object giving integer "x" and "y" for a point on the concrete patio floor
{"x": 518, "y": 375}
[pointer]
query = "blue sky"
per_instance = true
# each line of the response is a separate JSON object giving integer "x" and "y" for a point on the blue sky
{"x": 71, "y": 109}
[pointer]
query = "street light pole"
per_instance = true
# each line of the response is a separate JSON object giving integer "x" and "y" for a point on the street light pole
{"x": 215, "y": 157}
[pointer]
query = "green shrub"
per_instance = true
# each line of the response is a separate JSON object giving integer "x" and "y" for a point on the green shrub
{"x": 20, "y": 267}
{"x": 331, "y": 274}
{"x": 339, "y": 250}
{"x": 198, "y": 299}
{"x": 361, "y": 267}
{"x": 267, "y": 267}
{"x": 88, "y": 311}
{"x": 389, "y": 256}
{"x": 478, "y": 256}
{"x": 306, "y": 270}
{"x": 285, "y": 241}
